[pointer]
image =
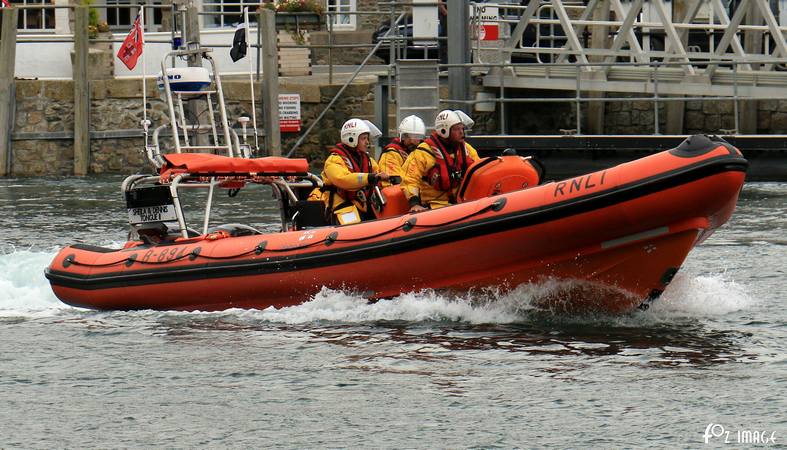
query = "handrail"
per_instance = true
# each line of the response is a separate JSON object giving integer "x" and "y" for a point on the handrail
{"x": 341, "y": 91}
{"x": 656, "y": 98}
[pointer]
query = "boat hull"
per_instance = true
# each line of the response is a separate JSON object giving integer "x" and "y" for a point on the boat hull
{"x": 609, "y": 240}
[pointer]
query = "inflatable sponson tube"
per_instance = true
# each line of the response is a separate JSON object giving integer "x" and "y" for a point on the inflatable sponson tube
{"x": 699, "y": 144}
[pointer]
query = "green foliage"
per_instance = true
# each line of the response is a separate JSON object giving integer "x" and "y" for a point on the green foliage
{"x": 92, "y": 13}
{"x": 93, "y": 25}
{"x": 296, "y": 6}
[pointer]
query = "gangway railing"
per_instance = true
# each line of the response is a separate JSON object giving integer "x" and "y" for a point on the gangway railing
{"x": 303, "y": 136}
{"x": 590, "y": 35}
{"x": 657, "y": 89}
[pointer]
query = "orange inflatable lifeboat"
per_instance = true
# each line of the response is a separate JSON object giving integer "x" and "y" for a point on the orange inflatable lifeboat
{"x": 613, "y": 238}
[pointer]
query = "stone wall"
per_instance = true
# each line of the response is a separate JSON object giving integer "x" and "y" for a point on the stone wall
{"x": 356, "y": 101}
{"x": 627, "y": 117}
{"x": 43, "y": 106}
{"x": 116, "y": 106}
{"x": 345, "y": 55}
{"x": 710, "y": 117}
{"x": 632, "y": 117}
{"x": 537, "y": 117}
{"x": 366, "y": 24}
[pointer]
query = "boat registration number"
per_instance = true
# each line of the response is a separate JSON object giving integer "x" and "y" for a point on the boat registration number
{"x": 146, "y": 214}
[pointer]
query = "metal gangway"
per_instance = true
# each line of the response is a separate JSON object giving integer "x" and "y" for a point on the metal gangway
{"x": 637, "y": 47}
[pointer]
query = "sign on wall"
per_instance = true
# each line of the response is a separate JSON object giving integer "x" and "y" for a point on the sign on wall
{"x": 290, "y": 113}
{"x": 489, "y": 27}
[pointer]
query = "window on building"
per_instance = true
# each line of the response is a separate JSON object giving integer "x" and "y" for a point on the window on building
{"x": 229, "y": 13}
{"x": 120, "y": 17}
{"x": 123, "y": 15}
{"x": 35, "y": 19}
{"x": 343, "y": 21}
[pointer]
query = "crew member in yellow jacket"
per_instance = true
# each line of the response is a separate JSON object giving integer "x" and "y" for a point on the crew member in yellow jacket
{"x": 411, "y": 133}
{"x": 350, "y": 174}
{"x": 433, "y": 171}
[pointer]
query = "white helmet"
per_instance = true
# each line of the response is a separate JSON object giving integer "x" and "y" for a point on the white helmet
{"x": 412, "y": 126}
{"x": 448, "y": 118}
{"x": 354, "y": 128}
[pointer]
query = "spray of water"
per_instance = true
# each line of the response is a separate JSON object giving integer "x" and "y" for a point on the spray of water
{"x": 24, "y": 292}
{"x": 23, "y": 289}
{"x": 702, "y": 295}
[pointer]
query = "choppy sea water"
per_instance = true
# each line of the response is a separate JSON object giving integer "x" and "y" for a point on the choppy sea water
{"x": 424, "y": 370}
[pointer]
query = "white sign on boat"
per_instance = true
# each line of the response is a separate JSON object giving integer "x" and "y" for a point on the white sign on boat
{"x": 147, "y": 214}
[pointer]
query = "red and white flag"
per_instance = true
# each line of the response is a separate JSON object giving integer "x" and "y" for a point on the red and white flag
{"x": 5, "y": 4}
{"x": 131, "y": 48}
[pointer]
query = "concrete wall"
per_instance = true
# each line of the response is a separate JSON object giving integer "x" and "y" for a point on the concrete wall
{"x": 49, "y": 60}
{"x": 53, "y": 60}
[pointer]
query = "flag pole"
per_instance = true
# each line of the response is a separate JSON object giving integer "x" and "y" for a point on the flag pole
{"x": 251, "y": 80}
{"x": 145, "y": 123}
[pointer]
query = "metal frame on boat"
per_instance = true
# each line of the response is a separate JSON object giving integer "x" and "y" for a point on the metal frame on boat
{"x": 223, "y": 140}
{"x": 177, "y": 116}
{"x": 284, "y": 188}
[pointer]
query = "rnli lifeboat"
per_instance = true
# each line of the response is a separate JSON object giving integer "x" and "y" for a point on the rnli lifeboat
{"x": 613, "y": 239}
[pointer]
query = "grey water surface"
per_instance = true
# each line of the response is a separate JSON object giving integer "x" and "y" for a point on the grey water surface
{"x": 424, "y": 370}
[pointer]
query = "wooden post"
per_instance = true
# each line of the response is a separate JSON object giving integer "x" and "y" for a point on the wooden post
{"x": 81, "y": 93}
{"x": 192, "y": 34}
{"x": 7, "y": 91}
{"x": 599, "y": 38}
{"x": 676, "y": 110}
{"x": 270, "y": 85}
{"x": 196, "y": 107}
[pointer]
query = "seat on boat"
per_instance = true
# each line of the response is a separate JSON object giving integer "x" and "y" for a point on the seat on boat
{"x": 396, "y": 203}
{"x": 235, "y": 229}
{"x": 308, "y": 214}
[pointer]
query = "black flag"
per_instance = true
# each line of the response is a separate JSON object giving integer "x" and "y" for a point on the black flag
{"x": 239, "y": 45}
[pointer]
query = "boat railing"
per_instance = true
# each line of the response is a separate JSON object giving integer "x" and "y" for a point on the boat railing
{"x": 177, "y": 112}
{"x": 154, "y": 153}
{"x": 283, "y": 189}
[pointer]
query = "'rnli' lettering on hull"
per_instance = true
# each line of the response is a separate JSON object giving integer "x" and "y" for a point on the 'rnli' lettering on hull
{"x": 578, "y": 184}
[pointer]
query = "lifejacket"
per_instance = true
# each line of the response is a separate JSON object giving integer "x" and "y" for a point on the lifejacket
{"x": 395, "y": 146}
{"x": 445, "y": 176}
{"x": 357, "y": 162}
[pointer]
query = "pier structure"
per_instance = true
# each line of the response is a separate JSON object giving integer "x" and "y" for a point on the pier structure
{"x": 666, "y": 52}
{"x": 590, "y": 82}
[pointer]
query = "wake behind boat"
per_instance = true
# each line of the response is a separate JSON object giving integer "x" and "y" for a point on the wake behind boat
{"x": 613, "y": 238}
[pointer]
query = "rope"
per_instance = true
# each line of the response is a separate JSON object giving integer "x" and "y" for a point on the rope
{"x": 259, "y": 249}
{"x": 459, "y": 219}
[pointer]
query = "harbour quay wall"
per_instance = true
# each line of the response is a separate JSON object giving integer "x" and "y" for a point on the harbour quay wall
{"x": 637, "y": 116}
{"x": 43, "y": 125}
{"x": 43, "y": 133}
{"x": 43, "y": 121}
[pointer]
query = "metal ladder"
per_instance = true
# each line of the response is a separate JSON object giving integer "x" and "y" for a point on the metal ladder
{"x": 417, "y": 89}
